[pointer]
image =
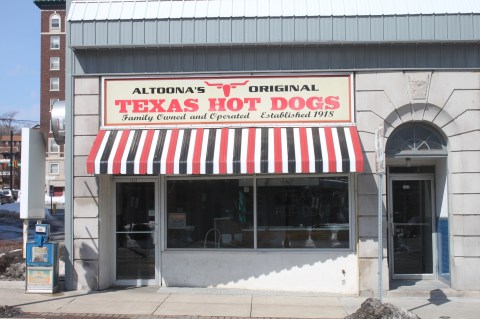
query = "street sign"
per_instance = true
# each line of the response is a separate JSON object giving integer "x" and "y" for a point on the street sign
{"x": 379, "y": 150}
{"x": 33, "y": 175}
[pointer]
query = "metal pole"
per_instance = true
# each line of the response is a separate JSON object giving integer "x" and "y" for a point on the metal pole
{"x": 380, "y": 236}
{"x": 11, "y": 160}
{"x": 25, "y": 237}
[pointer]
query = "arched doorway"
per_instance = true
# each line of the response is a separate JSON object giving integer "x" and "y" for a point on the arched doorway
{"x": 417, "y": 214}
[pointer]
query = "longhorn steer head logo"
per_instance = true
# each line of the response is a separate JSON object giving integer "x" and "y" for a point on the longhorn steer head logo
{"x": 226, "y": 87}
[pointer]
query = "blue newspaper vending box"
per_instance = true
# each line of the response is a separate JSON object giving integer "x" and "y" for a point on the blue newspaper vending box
{"x": 42, "y": 262}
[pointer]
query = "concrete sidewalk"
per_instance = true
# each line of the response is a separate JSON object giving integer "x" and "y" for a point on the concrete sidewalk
{"x": 150, "y": 302}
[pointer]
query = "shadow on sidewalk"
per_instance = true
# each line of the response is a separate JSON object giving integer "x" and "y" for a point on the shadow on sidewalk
{"x": 437, "y": 298}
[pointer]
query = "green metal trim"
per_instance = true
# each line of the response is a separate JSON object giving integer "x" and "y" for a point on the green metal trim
{"x": 50, "y": 3}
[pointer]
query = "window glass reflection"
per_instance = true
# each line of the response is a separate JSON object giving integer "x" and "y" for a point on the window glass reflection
{"x": 209, "y": 213}
{"x": 302, "y": 213}
{"x": 135, "y": 256}
{"x": 311, "y": 212}
{"x": 135, "y": 216}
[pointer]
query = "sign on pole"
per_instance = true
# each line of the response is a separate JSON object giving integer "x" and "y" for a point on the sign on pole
{"x": 379, "y": 150}
{"x": 33, "y": 175}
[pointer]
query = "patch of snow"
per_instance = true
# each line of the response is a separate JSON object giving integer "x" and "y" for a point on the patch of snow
{"x": 54, "y": 199}
{"x": 14, "y": 208}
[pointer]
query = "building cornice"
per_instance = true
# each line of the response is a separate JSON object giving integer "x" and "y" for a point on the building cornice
{"x": 50, "y": 4}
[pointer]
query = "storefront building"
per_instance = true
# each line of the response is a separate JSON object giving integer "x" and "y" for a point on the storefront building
{"x": 233, "y": 144}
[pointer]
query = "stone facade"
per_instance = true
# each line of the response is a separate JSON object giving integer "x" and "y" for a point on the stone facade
{"x": 86, "y": 221}
{"x": 448, "y": 101}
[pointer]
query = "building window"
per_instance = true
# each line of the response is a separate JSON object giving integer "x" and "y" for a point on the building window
{"x": 415, "y": 139}
{"x": 54, "y": 63}
{"x": 55, "y": 43}
{"x": 54, "y": 22}
{"x": 54, "y": 84}
{"x": 54, "y": 169}
{"x": 53, "y": 147}
{"x": 289, "y": 213}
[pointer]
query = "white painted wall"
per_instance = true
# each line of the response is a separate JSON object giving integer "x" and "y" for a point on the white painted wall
{"x": 315, "y": 271}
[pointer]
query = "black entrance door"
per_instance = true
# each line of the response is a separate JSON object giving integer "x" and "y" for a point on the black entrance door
{"x": 411, "y": 218}
{"x": 135, "y": 233}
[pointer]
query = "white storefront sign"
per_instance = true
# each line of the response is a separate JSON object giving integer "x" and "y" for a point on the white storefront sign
{"x": 217, "y": 101}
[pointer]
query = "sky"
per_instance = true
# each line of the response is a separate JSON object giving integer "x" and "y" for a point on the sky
{"x": 20, "y": 60}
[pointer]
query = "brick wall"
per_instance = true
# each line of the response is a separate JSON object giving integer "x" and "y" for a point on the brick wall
{"x": 46, "y": 53}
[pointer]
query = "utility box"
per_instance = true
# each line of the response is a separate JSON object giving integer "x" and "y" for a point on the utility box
{"x": 42, "y": 262}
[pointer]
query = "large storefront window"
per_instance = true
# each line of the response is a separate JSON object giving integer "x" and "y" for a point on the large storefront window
{"x": 310, "y": 212}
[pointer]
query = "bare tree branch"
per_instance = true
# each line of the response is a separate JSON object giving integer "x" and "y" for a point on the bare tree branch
{"x": 9, "y": 123}
{"x": 6, "y": 119}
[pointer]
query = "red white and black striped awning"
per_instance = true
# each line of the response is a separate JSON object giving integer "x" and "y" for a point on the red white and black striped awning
{"x": 226, "y": 151}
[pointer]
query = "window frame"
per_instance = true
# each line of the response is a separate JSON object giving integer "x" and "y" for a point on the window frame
{"x": 54, "y": 63}
{"x": 55, "y": 86}
{"x": 55, "y": 42}
{"x": 51, "y": 165}
{"x": 51, "y": 145}
{"x": 351, "y": 214}
{"x": 413, "y": 139}
{"x": 55, "y": 17}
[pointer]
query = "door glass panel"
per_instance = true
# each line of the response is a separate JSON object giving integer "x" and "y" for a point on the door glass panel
{"x": 135, "y": 231}
{"x": 412, "y": 226}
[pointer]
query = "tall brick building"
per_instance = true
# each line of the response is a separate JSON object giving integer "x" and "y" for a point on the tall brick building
{"x": 52, "y": 84}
